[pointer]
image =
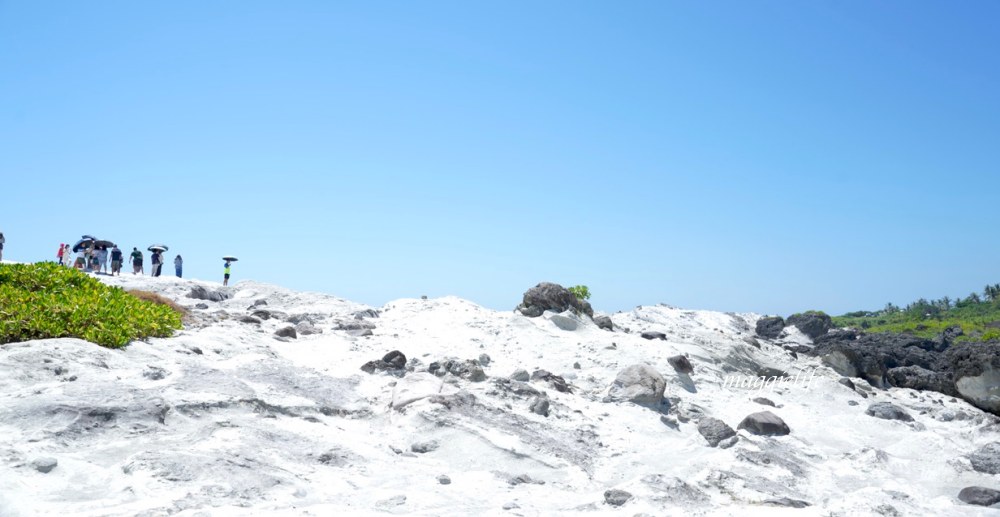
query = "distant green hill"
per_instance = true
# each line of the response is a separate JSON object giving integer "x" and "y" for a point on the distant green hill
{"x": 978, "y": 315}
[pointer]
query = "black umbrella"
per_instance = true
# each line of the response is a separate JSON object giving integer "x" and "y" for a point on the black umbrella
{"x": 81, "y": 244}
{"x": 88, "y": 237}
{"x": 108, "y": 244}
{"x": 158, "y": 247}
{"x": 228, "y": 258}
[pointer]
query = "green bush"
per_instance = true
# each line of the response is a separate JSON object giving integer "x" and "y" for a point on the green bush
{"x": 41, "y": 301}
{"x": 581, "y": 292}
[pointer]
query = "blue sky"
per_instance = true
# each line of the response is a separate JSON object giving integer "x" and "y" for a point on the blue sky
{"x": 747, "y": 156}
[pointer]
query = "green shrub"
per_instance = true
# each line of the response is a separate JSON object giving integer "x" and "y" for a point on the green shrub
{"x": 45, "y": 300}
{"x": 581, "y": 292}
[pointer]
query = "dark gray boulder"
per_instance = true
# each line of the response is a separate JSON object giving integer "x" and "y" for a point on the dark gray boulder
{"x": 539, "y": 405}
{"x": 870, "y": 356}
{"x": 548, "y": 296}
{"x": 764, "y": 423}
{"x": 469, "y": 369}
{"x": 764, "y": 402}
{"x": 681, "y": 364}
{"x": 919, "y": 378}
{"x": 813, "y": 324}
{"x": 714, "y": 430}
{"x": 616, "y": 497}
{"x": 975, "y": 368}
{"x": 249, "y": 319}
{"x": 520, "y": 375}
{"x": 393, "y": 363}
{"x": 199, "y": 292}
{"x": 654, "y": 335}
{"x": 888, "y": 411}
{"x": 986, "y": 459}
{"x": 640, "y": 384}
{"x": 979, "y": 496}
{"x": 605, "y": 323}
{"x": 202, "y": 306}
{"x": 770, "y": 327}
{"x": 288, "y": 332}
{"x": 262, "y": 314}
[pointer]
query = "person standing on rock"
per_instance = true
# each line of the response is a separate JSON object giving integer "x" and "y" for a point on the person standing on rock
{"x": 59, "y": 254}
{"x": 157, "y": 259}
{"x": 178, "y": 265}
{"x": 225, "y": 278}
{"x": 116, "y": 260}
{"x": 2, "y": 240}
{"x": 137, "y": 261}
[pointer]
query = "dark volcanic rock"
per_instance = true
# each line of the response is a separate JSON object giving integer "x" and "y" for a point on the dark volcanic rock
{"x": 918, "y": 378}
{"x": 888, "y": 411}
{"x": 770, "y": 327}
{"x": 654, "y": 335}
{"x": 714, "y": 430}
{"x": 681, "y": 364}
{"x": 616, "y": 497}
{"x": 393, "y": 363}
{"x": 557, "y": 382}
{"x": 604, "y": 322}
{"x": 812, "y": 324}
{"x": 764, "y": 423}
{"x": 468, "y": 369}
{"x": 547, "y": 296}
{"x": 980, "y": 496}
{"x": 286, "y": 332}
{"x": 975, "y": 367}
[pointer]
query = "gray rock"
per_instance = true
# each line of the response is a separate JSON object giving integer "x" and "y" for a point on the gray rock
{"x": 640, "y": 384}
{"x": 367, "y": 313}
{"x": 262, "y": 314}
{"x": 257, "y": 303}
{"x": 510, "y": 506}
{"x": 770, "y": 327}
{"x": 846, "y": 382}
{"x": 986, "y": 459}
{"x": 812, "y": 324}
{"x": 764, "y": 423}
{"x": 616, "y": 497}
{"x": 520, "y": 375}
{"x": 729, "y": 442}
{"x": 764, "y": 401}
{"x": 288, "y": 332}
{"x": 576, "y": 365}
{"x": 670, "y": 422}
{"x": 307, "y": 329}
{"x": 539, "y": 406}
{"x": 556, "y": 381}
{"x": 786, "y": 502}
{"x": 888, "y": 411}
{"x": 547, "y": 296}
{"x": 250, "y": 319}
{"x": 44, "y": 465}
{"x": 979, "y": 496}
{"x": 564, "y": 322}
{"x": 201, "y": 306}
{"x": 604, "y": 322}
{"x": 154, "y": 373}
{"x": 752, "y": 342}
{"x": 469, "y": 369}
{"x": 199, "y": 292}
{"x": 852, "y": 403}
{"x": 444, "y": 480}
{"x": 484, "y": 359}
{"x": 681, "y": 364}
{"x": 714, "y": 430}
{"x": 425, "y": 447}
{"x": 654, "y": 335}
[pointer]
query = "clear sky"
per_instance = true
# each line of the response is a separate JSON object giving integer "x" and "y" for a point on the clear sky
{"x": 747, "y": 156}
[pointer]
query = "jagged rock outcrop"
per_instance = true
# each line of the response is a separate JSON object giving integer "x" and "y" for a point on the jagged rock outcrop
{"x": 980, "y": 496}
{"x": 681, "y": 364}
{"x": 812, "y": 324}
{"x": 200, "y": 292}
{"x": 888, "y": 411}
{"x": 604, "y": 322}
{"x": 770, "y": 327}
{"x": 393, "y": 363}
{"x": 548, "y": 296}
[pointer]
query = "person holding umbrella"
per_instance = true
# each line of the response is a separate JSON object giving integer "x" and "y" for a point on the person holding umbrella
{"x": 229, "y": 260}
{"x": 178, "y": 265}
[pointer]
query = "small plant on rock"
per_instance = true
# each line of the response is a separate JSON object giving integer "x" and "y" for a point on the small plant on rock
{"x": 581, "y": 292}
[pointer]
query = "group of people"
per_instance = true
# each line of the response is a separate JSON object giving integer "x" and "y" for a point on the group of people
{"x": 94, "y": 259}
